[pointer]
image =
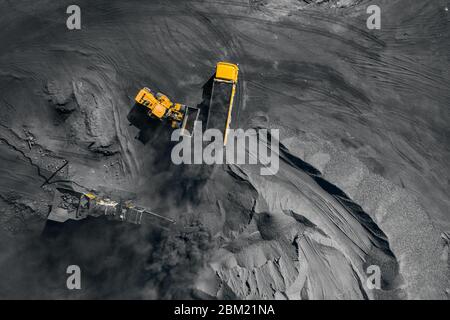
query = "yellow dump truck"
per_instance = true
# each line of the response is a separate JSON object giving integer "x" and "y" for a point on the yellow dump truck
{"x": 222, "y": 98}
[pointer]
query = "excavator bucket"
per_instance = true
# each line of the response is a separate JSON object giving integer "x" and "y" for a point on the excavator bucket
{"x": 189, "y": 120}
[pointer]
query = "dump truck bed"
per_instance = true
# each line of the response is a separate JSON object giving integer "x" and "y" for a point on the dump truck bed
{"x": 219, "y": 105}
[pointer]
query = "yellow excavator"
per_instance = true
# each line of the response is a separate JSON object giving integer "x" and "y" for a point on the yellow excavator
{"x": 159, "y": 106}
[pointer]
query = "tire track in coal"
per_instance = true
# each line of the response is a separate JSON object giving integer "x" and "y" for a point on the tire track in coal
{"x": 396, "y": 73}
{"x": 397, "y": 66}
{"x": 360, "y": 33}
{"x": 163, "y": 35}
{"x": 225, "y": 39}
{"x": 199, "y": 31}
{"x": 353, "y": 110}
{"x": 190, "y": 10}
{"x": 300, "y": 27}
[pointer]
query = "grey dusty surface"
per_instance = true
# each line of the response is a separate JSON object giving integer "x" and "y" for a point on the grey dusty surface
{"x": 364, "y": 162}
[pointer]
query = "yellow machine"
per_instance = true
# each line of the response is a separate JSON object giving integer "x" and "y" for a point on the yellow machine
{"x": 227, "y": 71}
{"x": 220, "y": 109}
{"x": 222, "y": 97}
{"x": 160, "y": 107}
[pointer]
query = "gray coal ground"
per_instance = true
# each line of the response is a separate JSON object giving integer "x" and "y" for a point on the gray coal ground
{"x": 364, "y": 156}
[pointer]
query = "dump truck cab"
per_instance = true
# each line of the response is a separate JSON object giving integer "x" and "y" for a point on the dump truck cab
{"x": 227, "y": 71}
